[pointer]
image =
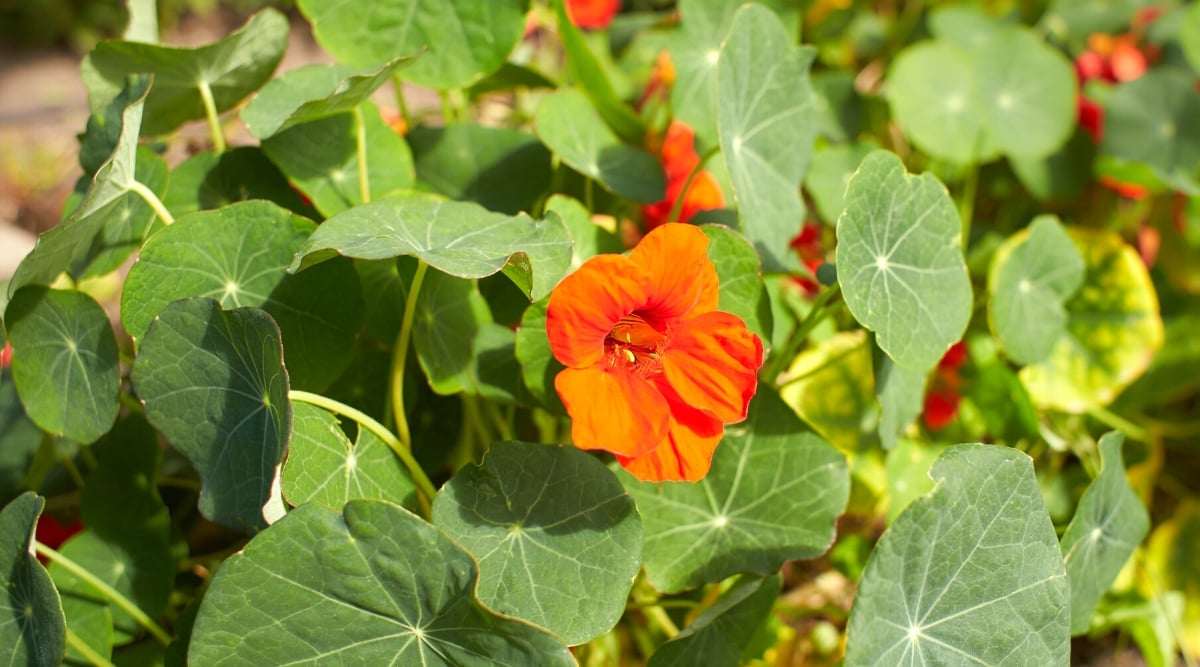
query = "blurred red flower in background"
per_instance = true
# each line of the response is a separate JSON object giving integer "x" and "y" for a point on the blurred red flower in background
{"x": 943, "y": 395}
{"x": 679, "y": 159}
{"x": 593, "y": 14}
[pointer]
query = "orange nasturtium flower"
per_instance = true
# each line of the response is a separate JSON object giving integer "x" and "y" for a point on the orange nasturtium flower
{"x": 679, "y": 158}
{"x": 654, "y": 370}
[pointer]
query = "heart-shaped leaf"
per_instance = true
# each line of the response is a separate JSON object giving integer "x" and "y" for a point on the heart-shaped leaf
{"x": 65, "y": 361}
{"x": 1108, "y": 525}
{"x": 569, "y": 124}
{"x": 969, "y": 573}
{"x": 530, "y": 514}
{"x": 766, "y": 126}
{"x": 35, "y": 629}
{"x": 458, "y": 41}
{"x": 772, "y": 484}
{"x": 371, "y": 585}
{"x": 238, "y": 255}
{"x": 900, "y": 261}
{"x": 720, "y": 633}
{"x": 1032, "y": 276}
{"x": 312, "y": 93}
{"x": 324, "y": 466}
{"x": 459, "y": 238}
{"x": 214, "y": 384}
{"x": 225, "y": 71}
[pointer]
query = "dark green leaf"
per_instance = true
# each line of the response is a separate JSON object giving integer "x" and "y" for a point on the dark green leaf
{"x": 373, "y": 585}
{"x": 34, "y": 630}
{"x": 126, "y": 222}
{"x": 503, "y": 169}
{"x": 449, "y": 315}
{"x": 65, "y": 362}
{"x": 740, "y": 278}
{"x": 214, "y": 384}
{"x": 557, "y": 538}
{"x": 538, "y": 365}
{"x": 207, "y": 180}
{"x": 21, "y": 437}
{"x": 1151, "y": 120}
{"x": 719, "y": 634}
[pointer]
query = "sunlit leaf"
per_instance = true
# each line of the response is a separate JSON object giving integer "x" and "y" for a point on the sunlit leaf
{"x": 533, "y": 516}
{"x": 740, "y": 278}
{"x": 371, "y": 585}
{"x": 900, "y": 261}
{"x": 971, "y": 573}
{"x": 830, "y": 385}
{"x": 214, "y": 384}
{"x": 1108, "y": 524}
{"x": 773, "y": 485}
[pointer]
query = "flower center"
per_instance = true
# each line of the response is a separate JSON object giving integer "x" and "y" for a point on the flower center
{"x": 633, "y": 344}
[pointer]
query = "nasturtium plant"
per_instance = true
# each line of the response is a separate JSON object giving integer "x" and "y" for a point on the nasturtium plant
{"x": 554, "y": 332}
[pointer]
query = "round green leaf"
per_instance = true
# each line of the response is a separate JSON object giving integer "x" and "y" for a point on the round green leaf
{"x": 831, "y": 387}
{"x": 214, "y": 384}
{"x": 460, "y": 238}
{"x": 538, "y": 365}
{"x": 695, "y": 48}
{"x": 719, "y": 635}
{"x": 1189, "y": 35}
{"x": 900, "y": 261}
{"x": 458, "y": 42}
{"x": 590, "y": 238}
{"x": 238, "y": 255}
{"x": 324, "y": 466}
{"x": 971, "y": 573}
{"x": 209, "y": 180}
{"x": 571, "y": 127}
{"x": 65, "y": 361}
{"x": 740, "y": 279}
{"x": 1113, "y": 329}
{"x": 932, "y": 95}
{"x": 1033, "y": 274}
{"x": 772, "y": 485}
{"x": 311, "y": 93}
{"x": 557, "y": 539}
{"x": 766, "y": 124}
{"x": 503, "y": 169}
{"x": 1152, "y": 120}
{"x": 372, "y": 585}
{"x": 231, "y": 68}
{"x": 35, "y": 630}
{"x": 321, "y": 157}
{"x": 1108, "y": 525}
{"x": 449, "y": 315}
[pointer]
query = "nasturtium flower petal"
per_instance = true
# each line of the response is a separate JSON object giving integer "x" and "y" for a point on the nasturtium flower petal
{"x": 587, "y": 304}
{"x": 614, "y": 411}
{"x": 687, "y": 453}
{"x": 680, "y": 278}
{"x": 711, "y": 362}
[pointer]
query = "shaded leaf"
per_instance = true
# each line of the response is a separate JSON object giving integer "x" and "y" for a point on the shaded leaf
{"x": 35, "y": 632}
{"x": 538, "y": 365}
{"x": 1151, "y": 120}
{"x": 504, "y": 169}
{"x": 209, "y": 180}
{"x": 900, "y": 392}
{"x": 740, "y": 279}
{"x": 718, "y": 635}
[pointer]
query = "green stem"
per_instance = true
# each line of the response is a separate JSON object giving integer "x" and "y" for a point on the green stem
{"x": 659, "y": 615}
{"x": 447, "y": 109}
{"x": 1112, "y": 419}
{"x": 81, "y": 647}
{"x": 107, "y": 591}
{"x": 589, "y": 195}
{"x": 72, "y": 471}
{"x": 677, "y": 206}
{"x": 424, "y": 486}
{"x": 400, "y": 355}
{"x": 820, "y": 310}
{"x": 360, "y": 135}
{"x": 499, "y": 420}
{"x": 152, "y": 199}
{"x": 401, "y": 104}
{"x": 966, "y": 205}
{"x": 214, "y": 121}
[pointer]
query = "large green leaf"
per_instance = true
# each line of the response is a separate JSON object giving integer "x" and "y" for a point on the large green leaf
{"x": 1113, "y": 329}
{"x": 322, "y": 158}
{"x": 126, "y": 540}
{"x": 209, "y": 180}
{"x": 460, "y": 238}
{"x": 1108, "y": 524}
{"x": 765, "y": 123}
{"x": 1033, "y": 274}
{"x": 371, "y": 585}
{"x": 969, "y": 574}
{"x": 773, "y": 494}
{"x": 34, "y": 630}
{"x": 324, "y": 466}
{"x": 70, "y": 243}
{"x": 900, "y": 261}
{"x": 230, "y": 69}
{"x": 1152, "y": 120}
{"x": 214, "y": 384}
{"x": 21, "y": 437}
{"x": 590, "y": 238}
{"x": 740, "y": 279}
{"x": 569, "y": 124}
{"x": 557, "y": 539}
{"x": 65, "y": 361}
{"x": 720, "y": 633}
{"x": 830, "y": 385}
{"x": 458, "y": 42}
{"x": 504, "y": 169}
{"x": 238, "y": 255}
{"x": 538, "y": 365}
{"x": 695, "y": 49}
{"x": 312, "y": 93}
{"x": 126, "y": 222}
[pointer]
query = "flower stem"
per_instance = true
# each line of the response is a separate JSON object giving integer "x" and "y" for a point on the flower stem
{"x": 152, "y": 199}
{"x": 400, "y": 355}
{"x": 82, "y": 648}
{"x": 1112, "y": 419}
{"x": 360, "y": 135}
{"x": 214, "y": 121}
{"x": 107, "y": 591}
{"x": 966, "y": 203}
{"x": 424, "y": 486}
{"x": 820, "y": 310}
{"x": 677, "y": 206}
{"x": 401, "y": 104}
